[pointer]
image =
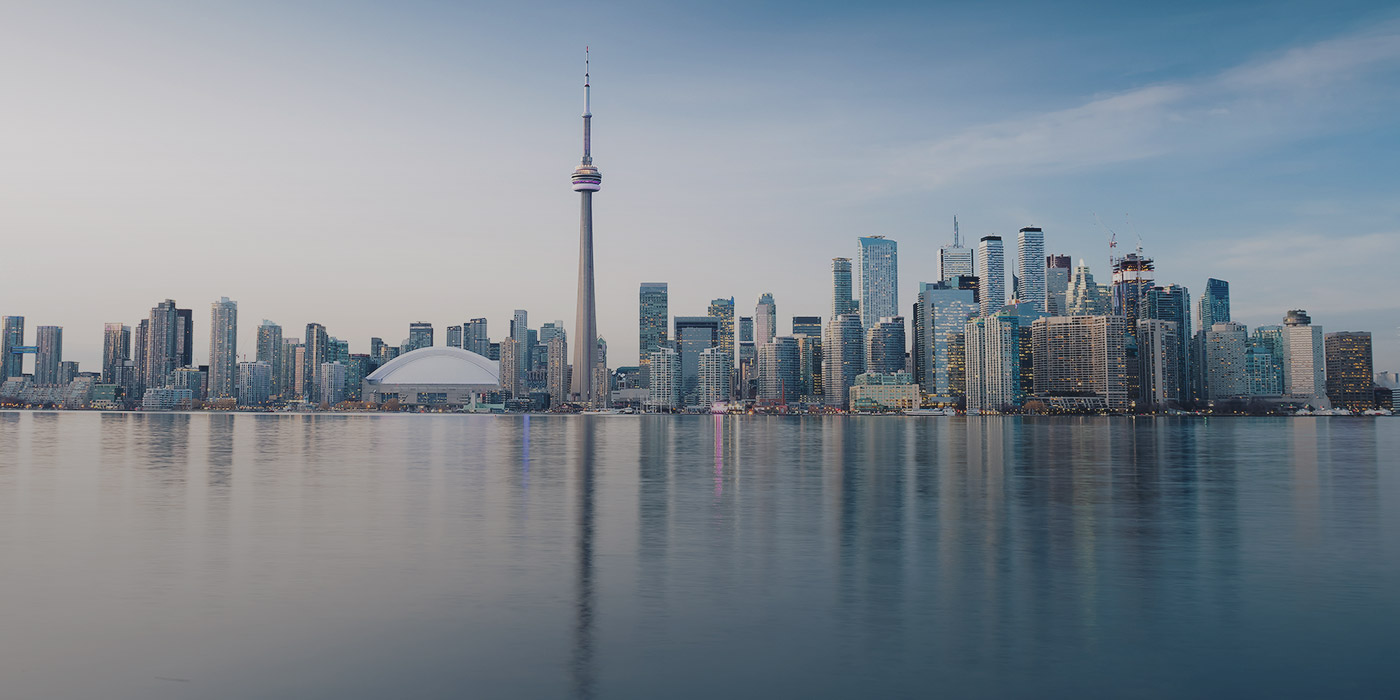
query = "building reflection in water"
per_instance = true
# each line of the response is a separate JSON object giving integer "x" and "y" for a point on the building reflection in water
{"x": 582, "y": 667}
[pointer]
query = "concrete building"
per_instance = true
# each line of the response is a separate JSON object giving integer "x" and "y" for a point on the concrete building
{"x": 434, "y": 377}
{"x": 716, "y": 368}
{"x": 558, "y": 370}
{"x": 879, "y": 279}
{"x": 223, "y": 349}
{"x": 664, "y": 393}
{"x": 511, "y": 378}
{"x": 955, "y": 260}
{"x": 1304, "y": 360}
{"x": 843, "y": 358}
{"x": 1030, "y": 255}
{"x": 586, "y": 180}
{"x": 1226, "y": 371}
{"x": 1350, "y": 381}
{"x": 993, "y": 351}
{"x": 1081, "y": 357}
{"x": 765, "y": 319}
{"x": 879, "y": 392}
{"x": 991, "y": 274}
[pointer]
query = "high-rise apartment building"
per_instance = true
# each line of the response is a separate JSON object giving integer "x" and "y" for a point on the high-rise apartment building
{"x": 879, "y": 279}
{"x": 843, "y": 358}
{"x": 163, "y": 343}
{"x": 1173, "y": 303}
{"x": 665, "y": 390}
{"x": 1081, "y": 356}
{"x": 779, "y": 371}
{"x": 723, "y": 311}
{"x": 1159, "y": 358}
{"x": 1350, "y": 379}
{"x": 50, "y": 355}
{"x": 653, "y": 316}
{"x": 693, "y": 335}
{"x": 289, "y": 372}
{"x": 809, "y": 349}
{"x": 269, "y": 350}
{"x": 315, "y": 355}
{"x": 1030, "y": 254}
{"x": 1304, "y": 359}
{"x": 885, "y": 344}
{"x": 454, "y": 337}
{"x": 1057, "y": 274}
{"x": 994, "y": 347}
{"x": 420, "y": 335}
{"x": 223, "y": 349}
{"x": 184, "y": 337}
{"x": 716, "y": 368}
{"x": 512, "y": 355}
{"x": 254, "y": 383}
{"x": 116, "y": 350}
{"x": 1265, "y": 370}
{"x": 557, "y": 369}
{"x": 13, "y": 338}
{"x": 765, "y": 319}
{"x": 955, "y": 260}
{"x": 841, "y": 300}
{"x": 991, "y": 274}
{"x": 332, "y": 383}
{"x": 475, "y": 337}
{"x": 1215, "y": 303}
{"x": 1225, "y": 370}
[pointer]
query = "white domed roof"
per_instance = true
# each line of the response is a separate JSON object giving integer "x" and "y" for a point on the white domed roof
{"x": 438, "y": 366}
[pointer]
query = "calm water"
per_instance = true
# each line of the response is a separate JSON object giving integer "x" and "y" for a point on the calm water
{"x": 220, "y": 556}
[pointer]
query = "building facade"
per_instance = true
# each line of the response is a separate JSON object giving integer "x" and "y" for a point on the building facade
{"x": 879, "y": 279}
{"x": 991, "y": 274}
{"x": 1350, "y": 381}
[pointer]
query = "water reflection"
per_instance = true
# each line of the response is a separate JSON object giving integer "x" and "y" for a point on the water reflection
{"x": 668, "y": 556}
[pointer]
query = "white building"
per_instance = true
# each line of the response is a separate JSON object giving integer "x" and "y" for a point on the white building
{"x": 843, "y": 358}
{"x": 435, "y": 376}
{"x": 1226, "y": 372}
{"x": 993, "y": 351}
{"x": 1079, "y": 358}
{"x": 1030, "y": 263}
{"x": 664, "y": 391}
{"x": 716, "y": 366}
{"x": 1304, "y": 360}
{"x": 332, "y": 378}
{"x": 765, "y": 319}
{"x": 991, "y": 275}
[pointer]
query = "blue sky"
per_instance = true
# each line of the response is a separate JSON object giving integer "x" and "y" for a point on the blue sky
{"x": 364, "y": 165}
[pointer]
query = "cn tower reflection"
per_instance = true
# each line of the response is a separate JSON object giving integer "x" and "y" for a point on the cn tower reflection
{"x": 582, "y": 667}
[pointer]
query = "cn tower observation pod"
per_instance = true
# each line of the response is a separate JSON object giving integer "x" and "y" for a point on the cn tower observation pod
{"x": 433, "y": 376}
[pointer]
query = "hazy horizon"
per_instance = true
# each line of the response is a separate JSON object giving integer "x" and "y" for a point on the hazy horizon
{"x": 365, "y": 167}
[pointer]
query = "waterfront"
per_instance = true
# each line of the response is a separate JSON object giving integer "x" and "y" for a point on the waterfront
{"x": 367, "y": 556}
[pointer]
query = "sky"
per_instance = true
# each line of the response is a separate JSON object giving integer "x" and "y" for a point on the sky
{"x": 366, "y": 165}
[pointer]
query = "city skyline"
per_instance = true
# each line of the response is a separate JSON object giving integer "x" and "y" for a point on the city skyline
{"x": 139, "y": 223}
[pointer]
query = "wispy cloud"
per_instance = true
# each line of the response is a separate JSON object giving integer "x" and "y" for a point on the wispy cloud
{"x": 1293, "y": 261}
{"x": 1289, "y": 94}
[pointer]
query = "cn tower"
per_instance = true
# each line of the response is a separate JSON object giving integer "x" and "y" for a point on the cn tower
{"x": 586, "y": 180}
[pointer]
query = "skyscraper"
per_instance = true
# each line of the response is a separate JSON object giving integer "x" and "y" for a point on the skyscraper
{"x": 1225, "y": 346}
{"x": 14, "y": 337}
{"x": 1132, "y": 277}
{"x": 841, "y": 300}
{"x": 993, "y": 351}
{"x": 884, "y": 346}
{"x": 420, "y": 335}
{"x": 557, "y": 369}
{"x": 586, "y": 181}
{"x": 475, "y": 337}
{"x": 665, "y": 390}
{"x": 693, "y": 335}
{"x": 955, "y": 260}
{"x": 879, "y": 279}
{"x": 991, "y": 275}
{"x": 716, "y": 367}
{"x": 1215, "y": 303}
{"x": 765, "y": 319}
{"x": 289, "y": 371}
{"x": 1304, "y": 359}
{"x": 843, "y": 355}
{"x": 316, "y": 351}
{"x": 223, "y": 349}
{"x": 939, "y": 320}
{"x": 1057, "y": 272}
{"x": 454, "y": 337}
{"x": 1349, "y": 371}
{"x": 512, "y": 381}
{"x": 1085, "y": 296}
{"x": 1173, "y": 303}
{"x": 723, "y": 311}
{"x": 653, "y": 315}
{"x": 1080, "y": 357}
{"x": 1030, "y": 252}
{"x": 50, "y": 355}
{"x": 1159, "y": 354}
{"x": 163, "y": 333}
{"x": 184, "y": 337}
{"x": 116, "y": 349}
{"x": 254, "y": 383}
{"x": 779, "y": 371}
{"x": 269, "y": 350}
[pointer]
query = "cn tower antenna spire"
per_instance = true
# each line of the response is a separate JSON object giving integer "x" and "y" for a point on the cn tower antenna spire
{"x": 586, "y": 180}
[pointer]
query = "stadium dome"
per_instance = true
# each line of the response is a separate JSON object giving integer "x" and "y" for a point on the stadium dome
{"x": 433, "y": 376}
